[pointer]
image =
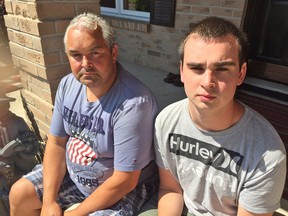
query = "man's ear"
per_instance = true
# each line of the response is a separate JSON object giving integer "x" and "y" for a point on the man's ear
{"x": 181, "y": 70}
{"x": 242, "y": 74}
{"x": 115, "y": 49}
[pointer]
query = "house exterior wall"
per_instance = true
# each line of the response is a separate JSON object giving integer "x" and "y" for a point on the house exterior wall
{"x": 157, "y": 46}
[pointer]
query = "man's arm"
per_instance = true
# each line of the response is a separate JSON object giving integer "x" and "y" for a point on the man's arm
{"x": 111, "y": 191}
{"x": 169, "y": 192}
{"x": 54, "y": 169}
{"x": 244, "y": 212}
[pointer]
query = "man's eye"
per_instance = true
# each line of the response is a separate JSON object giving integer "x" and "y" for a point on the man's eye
{"x": 76, "y": 55}
{"x": 197, "y": 69}
{"x": 94, "y": 54}
{"x": 222, "y": 69}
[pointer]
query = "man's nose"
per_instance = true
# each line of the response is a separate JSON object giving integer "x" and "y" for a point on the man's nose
{"x": 208, "y": 79}
{"x": 86, "y": 63}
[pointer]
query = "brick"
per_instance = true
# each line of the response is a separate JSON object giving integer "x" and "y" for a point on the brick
{"x": 28, "y": 96}
{"x": 28, "y": 66}
{"x": 43, "y": 84}
{"x": 34, "y": 56}
{"x": 56, "y": 11}
{"x": 23, "y": 39}
{"x": 52, "y": 58}
{"x": 55, "y": 72}
{"x": 16, "y": 49}
{"x": 233, "y": 4}
{"x": 201, "y": 2}
{"x": 11, "y": 21}
{"x": 60, "y": 26}
{"x": 64, "y": 58}
{"x": 40, "y": 104}
{"x": 183, "y": 8}
{"x": 219, "y": 11}
{"x": 200, "y": 10}
{"x": 238, "y": 13}
{"x": 46, "y": 28}
{"x": 54, "y": 43}
{"x": 37, "y": 113}
{"x": 29, "y": 26}
{"x": 41, "y": 72}
{"x": 15, "y": 60}
{"x": 32, "y": 11}
{"x": 85, "y": 7}
{"x": 44, "y": 129}
{"x": 8, "y": 6}
{"x": 54, "y": 84}
{"x": 25, "y": 76}
{"x": 37, "y": 45}
{"x": 48, "y": 96}
{"x": 128, "y": 24}
{"x": 20, "y": 8}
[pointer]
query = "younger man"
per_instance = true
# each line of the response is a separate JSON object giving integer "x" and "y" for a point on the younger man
{"x": 216, "y": 155}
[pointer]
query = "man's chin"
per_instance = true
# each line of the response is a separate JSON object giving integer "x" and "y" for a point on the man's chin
{"x": 89, "y": 82}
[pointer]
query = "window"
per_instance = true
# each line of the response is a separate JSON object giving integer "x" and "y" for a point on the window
{"x": 158, "y": 12}
{"x": 133, "y": 9}
{"x": 266, "y": 24}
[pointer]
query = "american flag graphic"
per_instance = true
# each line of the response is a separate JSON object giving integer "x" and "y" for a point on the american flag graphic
{"x": 80, "y": 153}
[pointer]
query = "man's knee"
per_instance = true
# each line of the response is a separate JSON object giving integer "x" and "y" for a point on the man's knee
{"x": 22, "y": 191}
{"x": 150, "y": 207}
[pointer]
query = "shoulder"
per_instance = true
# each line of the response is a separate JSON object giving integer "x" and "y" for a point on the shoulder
{"x": 131, "y": 89}
{"x": 68, "y": 85}
{"x": 67, "y": 80}
{"x": 261, "y": 131}
{"x": 256, "y": 120}
{"x": 174, "y": 108}
{"x": 130, "y": 83}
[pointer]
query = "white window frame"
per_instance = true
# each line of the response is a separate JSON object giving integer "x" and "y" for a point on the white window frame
{"x": 119, "y": 11}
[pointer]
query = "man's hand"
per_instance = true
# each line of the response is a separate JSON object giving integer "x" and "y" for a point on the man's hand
{"x": 51, "y": 209}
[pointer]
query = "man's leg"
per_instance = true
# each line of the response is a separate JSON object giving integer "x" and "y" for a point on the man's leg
{"x": 23, "y": 199}
{"x": 150, "y": 207}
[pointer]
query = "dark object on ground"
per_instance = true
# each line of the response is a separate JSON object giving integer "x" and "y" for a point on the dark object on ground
{"x": 173, "y": 79}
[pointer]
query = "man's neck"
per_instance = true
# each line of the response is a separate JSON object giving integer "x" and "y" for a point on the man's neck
{"x": 217, "y": 120}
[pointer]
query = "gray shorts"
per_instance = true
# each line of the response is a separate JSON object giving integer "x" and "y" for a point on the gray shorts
{"x": 69, "y": 194}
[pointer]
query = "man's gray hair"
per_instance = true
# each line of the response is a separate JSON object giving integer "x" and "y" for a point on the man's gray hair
{"x": 92, "y": 22}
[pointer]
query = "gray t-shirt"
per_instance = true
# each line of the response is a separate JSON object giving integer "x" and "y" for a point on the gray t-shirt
{"x": 115, "y": 132}
{"x": 244, "y": 164}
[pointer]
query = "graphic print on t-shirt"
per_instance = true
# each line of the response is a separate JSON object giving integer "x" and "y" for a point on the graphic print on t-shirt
{"x": 81, "y": 153}
{"x": 220, "y": 158}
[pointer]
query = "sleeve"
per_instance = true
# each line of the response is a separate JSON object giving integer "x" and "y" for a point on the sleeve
{"x": 57, "y": 123}
{"x": 159, "y": 143}
{"x": 133, "y": 136}
{"x": 262, "y": 192}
